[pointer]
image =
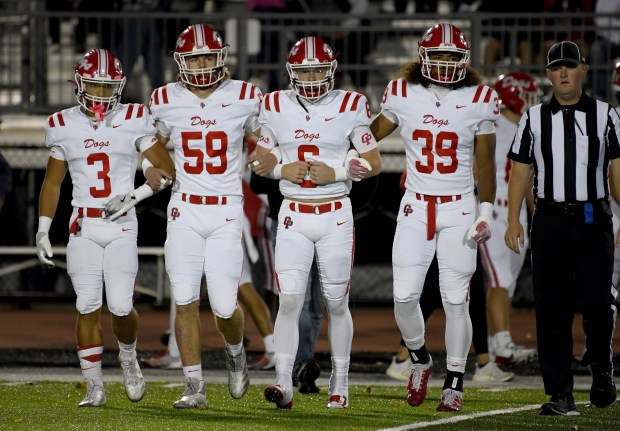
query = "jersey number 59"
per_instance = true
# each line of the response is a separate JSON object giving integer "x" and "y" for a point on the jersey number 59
{"x": 211, "y": 149}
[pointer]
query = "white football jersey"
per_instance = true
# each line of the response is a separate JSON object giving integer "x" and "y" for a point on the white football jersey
{"x": 207, "y": 134}
{"x": 102, "y": 156}
{"x": 319, "y": 132}
{"x": 504, "y": 133}
{"x": 439, "y": 133}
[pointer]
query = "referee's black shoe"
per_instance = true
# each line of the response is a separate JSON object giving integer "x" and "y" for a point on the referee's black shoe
{"x": 603, "y": 391}
{"x": 560, "y": 405}
{"x": 307, "y": 374}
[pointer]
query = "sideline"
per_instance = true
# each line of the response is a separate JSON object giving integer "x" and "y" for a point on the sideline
{"x": 461, "y": 418}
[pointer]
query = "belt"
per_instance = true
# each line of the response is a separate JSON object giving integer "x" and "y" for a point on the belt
{"x": 431, "y": 211}
{"x": 203, "y": 200}
{"x": 93, "y": 213}
{"x": 568, "y": 208}
{"x": 502, "y": 202}
{"x": 315, "y": 209}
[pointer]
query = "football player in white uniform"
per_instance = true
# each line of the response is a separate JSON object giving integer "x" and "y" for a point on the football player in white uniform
{"x": 444, "y": 114}
{"x": 99, "y": 143}
{"x": 517, "y": 91}
{"x": 314, "y": 126}
{"x": 205, "y": 115}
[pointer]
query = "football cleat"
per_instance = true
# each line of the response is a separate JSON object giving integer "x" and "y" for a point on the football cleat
{"x": 418, "y": 382}
{"x": 491, "y": 372}
{"x": 337, "y": 402}
{"x": 265, "y": 362}
{"x": 133, "y": 379}
{"x": 400, "y": 370}
{"x": 165, "y": 362}
{"x": 95, "y": 395}
{"x": 451, "y": 401}
{"x": 307, "y": 374}
{"x": 194, "y": 396}
{"x": 603, "y": 391}
{"x": 238, "y": 378}
{"x": 278, "y": 395}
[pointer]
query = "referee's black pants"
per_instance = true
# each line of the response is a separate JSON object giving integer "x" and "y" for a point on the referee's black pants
{"x": 572, "y": 264}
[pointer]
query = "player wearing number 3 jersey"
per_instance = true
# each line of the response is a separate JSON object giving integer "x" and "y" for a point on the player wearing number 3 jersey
{"x": 205, "y": 115}
{"x": 446, "y": 122}
{"x": 314, "y": 126}
{"x": 98, "y": 143}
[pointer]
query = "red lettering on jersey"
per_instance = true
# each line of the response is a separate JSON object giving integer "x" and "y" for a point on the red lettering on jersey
{"x": 345, "y": 102}
{"x": 407, "y": 210}
{"x": 487, "y": 97}
{"x": 129, "y": 111}
{"x": 174, "y": 213}
{"x": 197, "y": 121}
{"x": 478, "y": 93}
{"x": 301, "y": 134}
{"x": 354, "y": 106}
{"x": 91, "y": 143}
{"x": 429, "y": 119}
{"x": 244, "y": 86}
{"x": 288, "y": 222}
{"x": 140, "y": 111}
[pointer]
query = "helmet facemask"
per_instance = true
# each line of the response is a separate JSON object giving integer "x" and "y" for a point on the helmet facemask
{"x": 99, "y": 105}
{"x": 314, "y": 89}
{"x": 204, "y": 77}
{"x": 444, "y": 71}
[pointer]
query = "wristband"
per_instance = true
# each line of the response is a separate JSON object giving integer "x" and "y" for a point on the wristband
{"x": 341, "y": 174}
{"x": 143, "y": 192}
{"x": 485, "y": 210}
{"x": 276, "y": 174}
{"x": 44, "y": 224}
{"x": 276, "y": 152}
{"x": 146, "y": 163}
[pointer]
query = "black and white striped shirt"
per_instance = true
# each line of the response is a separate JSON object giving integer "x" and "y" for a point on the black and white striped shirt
{"x": 570, "y": 147}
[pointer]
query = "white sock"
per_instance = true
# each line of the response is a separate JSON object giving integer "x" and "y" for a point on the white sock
{"x": 284, "y": 370}
{"x": 127, "y": 351}
{"x": 90, "y": 361}
{"x": 502, "y": 340}
{"x": 339, "y": 380}
{"x": 193, "y": 372}
{"x": 235, "y": 349}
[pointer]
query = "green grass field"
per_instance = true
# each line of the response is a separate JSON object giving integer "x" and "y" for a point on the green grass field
{"x": 52, "y": 406}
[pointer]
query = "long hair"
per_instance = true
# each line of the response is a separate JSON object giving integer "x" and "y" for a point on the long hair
{"x": 412, "y": 73}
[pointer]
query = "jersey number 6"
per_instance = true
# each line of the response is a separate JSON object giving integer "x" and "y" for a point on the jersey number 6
{"x": 210, "y": 138}
{"x": 444, "y": 145}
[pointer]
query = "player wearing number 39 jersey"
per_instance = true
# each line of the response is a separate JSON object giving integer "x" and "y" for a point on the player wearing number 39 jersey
{"x": 205, "y": 115}
{"x": 313, "y": 127}
{"x": 446, "y": 122}
{"x": 98, "y": 143}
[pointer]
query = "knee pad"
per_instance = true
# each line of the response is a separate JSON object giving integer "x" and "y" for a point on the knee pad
{"x": 86, "y": 305}
{"x": 184, "y": 294}
{"x": 338, "y": 307}
{"x": 455, "y": 297}
{"x": 456, "y": 310}
{"x": 291, "y": 304}
{"x": 292, "y": 282}
{"x": 120, "y": 308}
{"x": 224, "y": 308}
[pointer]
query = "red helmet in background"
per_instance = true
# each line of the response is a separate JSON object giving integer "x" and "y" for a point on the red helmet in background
{"x": 312, "y": 53}
{"x": 517, "y": 91}
{"x": 444, "y": 38}
{"x": 615, "y": 81}
{"x": 99, "y": 66}
{"x": 200, "y": 39}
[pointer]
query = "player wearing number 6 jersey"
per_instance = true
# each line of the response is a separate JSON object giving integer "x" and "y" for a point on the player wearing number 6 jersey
{"x": 205, "y": 115}
{"x": 314, "y": 126}
{"x": 446, "y": 122}
{"x": 99, "y": 143}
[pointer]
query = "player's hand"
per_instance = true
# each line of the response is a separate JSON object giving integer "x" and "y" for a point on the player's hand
{"x": 157, "y": 178}
{"x": 44, "y": 249}
{"x": 514, "y": 237}
{"x": 321, "y": 174}
{"x": 119, "y": 205}
{"x": 358, "y": 168}
{"x": 480, "y": 231}
{"x": 295, "y": 172}
{"x": 262, "y": 165}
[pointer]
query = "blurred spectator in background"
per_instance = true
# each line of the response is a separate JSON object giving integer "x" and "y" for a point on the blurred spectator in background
{"x": 83, "y": 26}
{"x": 6, "y": 180}
{"x": 606, "y": 47}
{"x": 138, "y": 36}
{"x": 499, "y": 44}
{"x": 269, "y": 41}
{"x": 572, "y": 29}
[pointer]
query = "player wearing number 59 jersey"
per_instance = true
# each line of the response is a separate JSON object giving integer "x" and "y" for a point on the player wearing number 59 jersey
{"x": 313, "y": 128}
{"x": 205, "y": 115}
{"x": 99, "y": 143}
{"x": 446, "y": 122}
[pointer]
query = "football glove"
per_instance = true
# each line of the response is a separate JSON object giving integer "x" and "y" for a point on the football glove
{"x": 480, "y": 231}
{"x": 358, "y": 168}
{"x": 120, "y": 204}
{"x": 44, "y": 249}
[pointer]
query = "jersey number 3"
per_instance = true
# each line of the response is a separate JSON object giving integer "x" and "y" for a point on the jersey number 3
{"x": 443, "y": 145}
{"x": 210, "y": 138}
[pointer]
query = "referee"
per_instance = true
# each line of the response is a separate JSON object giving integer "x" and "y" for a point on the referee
{"x": 570, "y": 141}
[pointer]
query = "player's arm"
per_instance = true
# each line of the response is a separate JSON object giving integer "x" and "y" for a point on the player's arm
{"x": 48, "y": 203}
{"x": 381, "y": 127}
{"x": 519, "y": 179}
{"x": 267, "y": 152}
{"x": 480, "y": 231}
